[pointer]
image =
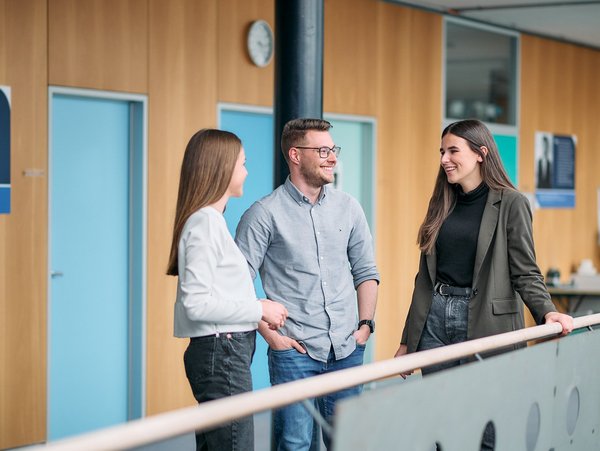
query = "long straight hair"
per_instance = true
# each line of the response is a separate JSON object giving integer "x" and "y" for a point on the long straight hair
{"x": 443, "y": 199}
{"x": 206, "y": 172}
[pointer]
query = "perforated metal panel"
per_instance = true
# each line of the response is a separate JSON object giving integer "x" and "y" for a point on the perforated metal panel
{"x": 540, "y": 398}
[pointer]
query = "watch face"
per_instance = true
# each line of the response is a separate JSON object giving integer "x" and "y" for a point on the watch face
{"x": 260, "y": 43}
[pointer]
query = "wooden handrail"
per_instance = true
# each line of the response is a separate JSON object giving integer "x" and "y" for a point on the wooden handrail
{"x": 214, "y": 413}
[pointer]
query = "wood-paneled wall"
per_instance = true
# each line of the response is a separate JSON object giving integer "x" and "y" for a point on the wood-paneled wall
{"x": 381, "y": 60}
{"x": 183, "y": 86}
{"x": 99, "y": 44}
{"x": 23, "y": 232}
{"x": 560, "y": 93}
{"x": 409, "y": 69}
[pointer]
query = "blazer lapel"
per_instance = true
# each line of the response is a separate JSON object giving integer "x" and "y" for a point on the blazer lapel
{"x": 432, "y": 266}
{"x": 489, "y": 221}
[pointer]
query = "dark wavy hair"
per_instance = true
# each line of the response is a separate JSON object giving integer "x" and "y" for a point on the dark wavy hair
{"x": 443, "y": 199}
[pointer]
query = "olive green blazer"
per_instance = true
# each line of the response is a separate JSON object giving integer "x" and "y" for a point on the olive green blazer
{"x": 505, "y": 274}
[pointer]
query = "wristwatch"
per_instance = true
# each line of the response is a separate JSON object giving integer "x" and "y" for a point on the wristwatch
{"x": 368, "y": 322}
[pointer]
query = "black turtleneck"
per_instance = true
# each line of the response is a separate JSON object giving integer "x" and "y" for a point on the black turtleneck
{"x": 456, "y": 244}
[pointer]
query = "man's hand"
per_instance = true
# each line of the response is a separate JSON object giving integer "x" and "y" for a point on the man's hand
{"x": 565, "y": 321}
{"x": 278, "y": 342}
{"x": 362, "y": 335}
{"x": 402, "y": 350}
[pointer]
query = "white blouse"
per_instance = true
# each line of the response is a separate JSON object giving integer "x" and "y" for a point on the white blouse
{"x": 214, "y": 290}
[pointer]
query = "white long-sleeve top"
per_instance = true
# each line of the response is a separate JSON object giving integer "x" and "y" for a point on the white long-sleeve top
{"x": 214, "y": 289}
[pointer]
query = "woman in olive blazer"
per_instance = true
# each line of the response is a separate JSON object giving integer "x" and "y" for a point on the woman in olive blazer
{"x": 504, "y": 271}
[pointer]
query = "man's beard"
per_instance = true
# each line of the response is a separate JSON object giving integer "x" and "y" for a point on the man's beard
{"x": 314, "y": 177}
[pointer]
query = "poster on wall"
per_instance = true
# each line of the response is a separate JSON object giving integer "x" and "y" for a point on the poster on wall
{"x": 4, "y": 149}
{"x": 555, "y": 170}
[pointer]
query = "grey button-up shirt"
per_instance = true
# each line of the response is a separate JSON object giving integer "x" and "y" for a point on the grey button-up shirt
{"x": 311, "y": 258}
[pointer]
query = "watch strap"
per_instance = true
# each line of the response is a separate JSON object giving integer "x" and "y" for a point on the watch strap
{"x": 368, "y": 322}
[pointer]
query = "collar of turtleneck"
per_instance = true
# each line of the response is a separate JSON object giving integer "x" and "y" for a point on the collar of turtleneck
{"x": 472, "y": 196}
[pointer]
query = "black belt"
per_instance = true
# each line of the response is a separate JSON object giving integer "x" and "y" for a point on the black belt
{"x": 223, "y": 335}
{"x": 448, "y": 290}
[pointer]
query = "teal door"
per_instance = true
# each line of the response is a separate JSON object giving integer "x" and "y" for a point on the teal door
{"x": 354, "y": 172}
{"x": 92, "y": 272}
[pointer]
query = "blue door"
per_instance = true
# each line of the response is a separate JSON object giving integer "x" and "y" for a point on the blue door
{"x": 255, "y": 129}
{"x": 89, "y": 264}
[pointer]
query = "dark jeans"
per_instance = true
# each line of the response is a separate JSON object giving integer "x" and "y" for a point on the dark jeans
{"x": 217, "y": 367}
{"x": 294, "y": 427}
{"x": 446, "y": 324}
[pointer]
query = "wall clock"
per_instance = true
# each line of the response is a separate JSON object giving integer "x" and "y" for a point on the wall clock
{"x": 260, "y": 43}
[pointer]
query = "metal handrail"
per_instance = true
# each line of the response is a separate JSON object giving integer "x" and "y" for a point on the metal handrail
{"x": 214, "y": 413}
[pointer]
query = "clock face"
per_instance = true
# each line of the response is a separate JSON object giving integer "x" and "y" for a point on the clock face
{"x": 260, "y": 43}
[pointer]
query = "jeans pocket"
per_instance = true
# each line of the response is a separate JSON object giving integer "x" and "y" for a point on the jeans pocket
{"x": 281, "y": 351}
{"x": 240, "y": 347}
{"x": 199, "y": 363}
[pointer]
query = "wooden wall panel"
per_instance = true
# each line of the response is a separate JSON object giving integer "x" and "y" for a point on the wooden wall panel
{"x": 99, "y": 44}
{"x": 559, "y": 94}
{"x": 408, "y": 93}
{"x": 239, "y": 80}
{"x": 350, "y": 57}
{"x": 183, "y": 86}
{"x": 23, "y": 232}
{"x": 381, "y": 60}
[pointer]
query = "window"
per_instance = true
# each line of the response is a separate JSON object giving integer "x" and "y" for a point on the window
{"x": 481, "y": 73}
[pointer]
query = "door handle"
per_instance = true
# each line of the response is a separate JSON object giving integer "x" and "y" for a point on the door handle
{"x": 55, "y": 274}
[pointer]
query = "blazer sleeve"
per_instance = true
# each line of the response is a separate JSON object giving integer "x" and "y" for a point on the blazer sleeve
{"x": 525, "y": 274}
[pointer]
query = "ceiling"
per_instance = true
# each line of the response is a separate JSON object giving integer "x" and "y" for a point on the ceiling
{"x": 566, "y": 20}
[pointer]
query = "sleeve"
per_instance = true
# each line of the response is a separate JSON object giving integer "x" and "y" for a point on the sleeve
{"x": 525, "y": 274}
{"x": 253, "y": 236}
{"x": 203, "y": 250}
{"x": 360, "y": 248}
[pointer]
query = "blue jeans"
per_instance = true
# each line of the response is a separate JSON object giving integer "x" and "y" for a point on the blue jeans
{"x": 293, "y": 425}
{"x": 217, "y": 367}
{"x": 446, "y": 324}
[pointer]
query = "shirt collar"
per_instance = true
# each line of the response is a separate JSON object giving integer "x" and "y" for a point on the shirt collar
{"x": 297, "y": 194}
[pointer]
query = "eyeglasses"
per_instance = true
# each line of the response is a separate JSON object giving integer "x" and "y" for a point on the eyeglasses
{"x": 324, "y": 151}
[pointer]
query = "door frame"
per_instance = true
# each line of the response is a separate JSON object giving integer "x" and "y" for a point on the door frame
{"x": 137, "y": 242}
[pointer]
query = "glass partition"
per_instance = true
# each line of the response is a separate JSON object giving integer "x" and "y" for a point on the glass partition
{"x": 481, "y": 73}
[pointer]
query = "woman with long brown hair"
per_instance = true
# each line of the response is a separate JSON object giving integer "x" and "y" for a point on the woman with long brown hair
{"x": 216, "y": 306}
{"x": 477, "y": 264}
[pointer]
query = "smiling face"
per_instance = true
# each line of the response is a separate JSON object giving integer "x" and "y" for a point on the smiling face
{"x": 236, "y": 185}
{"x": 314, "y": 170}
{"x": 460, "y": 163}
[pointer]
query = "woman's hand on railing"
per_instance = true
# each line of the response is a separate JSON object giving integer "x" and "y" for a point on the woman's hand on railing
{"x": 402, "y": 350}
{"x": 565, "y": 321}
{"x": 274, "y": 314}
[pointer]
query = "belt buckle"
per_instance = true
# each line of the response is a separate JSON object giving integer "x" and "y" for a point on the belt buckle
{"x": 441, "y": 287}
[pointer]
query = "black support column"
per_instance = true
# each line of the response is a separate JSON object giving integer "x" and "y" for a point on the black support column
{"x": 298, "y": 68}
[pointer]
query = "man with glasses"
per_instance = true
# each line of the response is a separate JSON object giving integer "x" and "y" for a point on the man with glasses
{"x": 312, "y": 247}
